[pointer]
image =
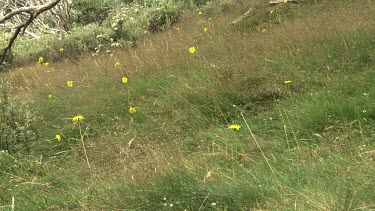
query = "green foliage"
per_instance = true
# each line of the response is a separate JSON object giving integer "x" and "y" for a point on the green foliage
{"x": 132, "y": 22}
{"x": 129, "y": 22}
{"x": 89, "y": 38}
{"x": 124, "y": 25}
{"x": 16, "y": 123}
{"x": 93, "y": 11}
{"x": 163, "y": 17}
{"x": 305, "y": 144}
{"x": 266, "y": 18}
{"x": 182, "y": 190}
{"x": 200, "y": 2}
{"x": 324, "y": 110}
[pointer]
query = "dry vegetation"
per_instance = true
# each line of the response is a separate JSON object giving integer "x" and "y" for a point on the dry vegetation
{"x": 304, "y": 145}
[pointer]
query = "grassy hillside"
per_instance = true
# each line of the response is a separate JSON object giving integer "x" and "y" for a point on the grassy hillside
{"x": 276, "y": 112}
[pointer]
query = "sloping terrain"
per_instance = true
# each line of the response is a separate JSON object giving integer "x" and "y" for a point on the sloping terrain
{"x": 276, "y": 112}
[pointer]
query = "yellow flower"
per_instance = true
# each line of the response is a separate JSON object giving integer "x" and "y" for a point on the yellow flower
{"x": 288, "y": 82}
{"x": 124, "y": 79}
{"x": 40, "y": 60}
{"x": 46, "y": 63}
{"x": 205, "y": 29}
{"x": 192, "y": 50}
{"x": 111, "y": 40}
{"x": 234, "y": 127}
{"x": 69, "y": 83}
{"x": 61, "y": 49}
{"x": 77, "y": 118}
{"x": 117, "y": 64}
{"x": 49, "y": 96}
{"x": 285, "y": 1}
{"x": 132, "y": 110}
{"x": 199, "y": 13}
{"x": 177, "y": 28}
{"x": 58, "y": 137}
{"x": 271, "y": 12}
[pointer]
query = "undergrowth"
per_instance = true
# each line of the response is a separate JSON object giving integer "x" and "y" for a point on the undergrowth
{"x": 275, "y": 113}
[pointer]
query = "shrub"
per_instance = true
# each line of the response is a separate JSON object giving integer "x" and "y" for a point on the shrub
{"x": 92, "y": 32}
{"x": 93, "y": 11}
{"x": 81, "y": 40}
{"x": 127, "y": 23}
{"x": 132, "y": 22}
{"x": 16, "y": 123}
{"x": 163, "y": 17}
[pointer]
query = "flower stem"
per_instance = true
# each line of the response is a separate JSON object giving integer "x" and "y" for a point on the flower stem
{"x": 83, "y": 144}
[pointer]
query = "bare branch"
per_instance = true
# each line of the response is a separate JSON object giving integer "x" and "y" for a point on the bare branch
{"x": 245, "y": 15}
{"x": 33, "y": 12}
{"x": 275, "y": 2}
{"x": 17, "y": 12}
{"x": 271, "y": 2}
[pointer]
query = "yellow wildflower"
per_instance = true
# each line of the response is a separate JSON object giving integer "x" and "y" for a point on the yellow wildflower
{"x": 111, "y": 39}
{"x": 132, "y": 110}
{"x": 199, "y": 13}
{"x": 46, "y": 63}
{"x": 40, "y": 60}
{"x": 192, "y": 50}
{"x": 234, "y": 127}
{"x": 111, "y": 55}
{"x": 61, "y": 49}
{"x": 49, "y": 96}
{"x": 117, "y": 64}
{"x": 205, "y": 29}
{"x": 288, "y": 82}
{"x": 77, "y": 118}
{"x": 285, "y": 1}
{"x": 124, "y": 79}
{"x": 69, "y": 83}
{"x": 58, "y": 137}
{"x": 271, "y": 12}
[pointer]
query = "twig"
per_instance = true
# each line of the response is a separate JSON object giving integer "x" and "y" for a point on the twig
{"x": 361, "y": 131}
{"x": 275, "y": 2}
{"x": 12, "y": 207}
{"x": 245, "y": 15}
{"x": 83, "y": 144}
{"x": 205, "y": 198}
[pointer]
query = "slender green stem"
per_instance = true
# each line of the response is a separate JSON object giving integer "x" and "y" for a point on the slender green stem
{"x": 83, "y": 144}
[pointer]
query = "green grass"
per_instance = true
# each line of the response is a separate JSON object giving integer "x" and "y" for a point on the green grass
{"x": 304, "y": 145}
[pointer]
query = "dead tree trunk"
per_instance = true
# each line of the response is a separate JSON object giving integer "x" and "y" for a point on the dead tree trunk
{"x": 30, "y": 13}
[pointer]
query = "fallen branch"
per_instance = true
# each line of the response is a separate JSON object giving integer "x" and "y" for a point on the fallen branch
{"x": 245, "y": 15}
{"x": 272, "y": 2}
